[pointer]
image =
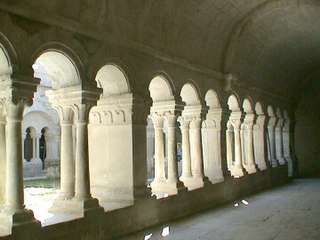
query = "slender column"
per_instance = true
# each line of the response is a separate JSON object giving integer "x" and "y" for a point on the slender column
{"x": 171, "y": 145}
{"x": 229, "y": 147}
{"x": 279, "y": 141}
{"x": 286, "y": 146}
{"x": 186, "y": 159}
{"x": 34, "y": 145}
{"x": 159, "y": 149}
{"x": 2, "y": 157}
{"x": 37, "y": 147}
{"x": 250, "y": 154}
{"x": 271, "y": 125}
{"x": 82, "y": 186}
{"x": 67, "y": 179}
{"x": 197, "y": 166}
{"x": 237, "y": 147}
{"x": 14, "y": 177}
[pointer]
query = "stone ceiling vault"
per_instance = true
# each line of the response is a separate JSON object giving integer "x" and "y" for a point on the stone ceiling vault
{"x": 265, "y": 43}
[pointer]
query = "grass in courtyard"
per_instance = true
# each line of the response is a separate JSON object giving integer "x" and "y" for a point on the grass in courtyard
{"x": 43, "y": 183}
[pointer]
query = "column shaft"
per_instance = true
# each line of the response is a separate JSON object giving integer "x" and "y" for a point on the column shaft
{"x": 67, "y": 178}
{"x": 197, "y": 166}
{"x": 237, "y": 147}
{"x": 250, "y": 153}
{"x": 14, "y": 178}
{"x": 186, "y": 159}
{"x": 82, "y": 187}
{"x": 159, "y": 152}
{"x": 229, "y": 148}
{"x": 2, "y": 161}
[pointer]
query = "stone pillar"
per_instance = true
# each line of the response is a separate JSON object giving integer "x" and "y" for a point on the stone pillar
{"x": 286, "y": 145}
{"x": 229, "y": 146}
{"x": 271, "y": 135}
{"x": 67, "y": 166}
{"x": 16, "y": 91}
{"x": 82, "y": 186}
{"x": 186, "y": 176}
{"x": 2, "y": 157}
{"x": 211, "y": 146}
{"x": 37, "y": 146}
{"x": 279, "y": 141}
{"x": 15, "y": 215}
{"x": 157, "y": 184}
{"x": 259, "y": 142}
{"x": 198, "y": 179}
{"x": 237, "y": 168}
{"x": 173, "y": 183}
{"x": 248, "y": 143}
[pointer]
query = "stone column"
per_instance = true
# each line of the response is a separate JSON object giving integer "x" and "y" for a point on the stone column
{"x": 2, "y": 157}
{"x": 173, "y": 183}
{"x": 37, "y": 147}
{"x": 67, "y": 175}
{"x": 16, "y": 91}
{"x": 82, "y": 186}
{"x": 186, "y": 176}
{"x": 279, "y": 141}
{"x": 237, "y": 170}
{"x": 248, "y": 144}
{"x": 198, "y": 179}
{"x": 259, "y": 142}
{"x": 229, "y": 147}
{"x": 271, "y": 134}
{"x": 34, "y": 145}
{"x": 159, "y": 178}
{"x": 17, "y": 215}
{"x": 250, "y": 154}
{"x": 82, "y": 180}
{"x": 286, "y": 146}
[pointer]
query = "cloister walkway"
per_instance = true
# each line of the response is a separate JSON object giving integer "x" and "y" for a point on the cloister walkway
{"x": 288, "y": 212}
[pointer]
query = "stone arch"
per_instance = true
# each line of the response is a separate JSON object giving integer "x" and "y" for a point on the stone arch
{"x": 233, "y": 103}
{"x": 247, "y": 105}
{"x": 190, "y": 95}
{"x": 258, "y": 108}
{"x": 212, "y": 99}
{"x": 60, "y": 68}
{"x": 160, "y": 89}
{"x": 8, "y": 57}
{"x": 113, "y": 80}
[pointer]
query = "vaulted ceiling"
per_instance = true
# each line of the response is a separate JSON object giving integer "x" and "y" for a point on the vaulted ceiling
{"x": 270, "y": 44}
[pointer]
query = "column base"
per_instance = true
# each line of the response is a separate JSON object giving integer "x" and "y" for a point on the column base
{"x": 21, "y": 224}
{"x": 290, "y": 167}
{"x": 197, "y": 182}
{"x": 158, "y": 188}
{"x": 141, "y": 193}
{"x": 250, "y": 169}
{"x": 237, "y": 172}
{"x": 274, "y": 163}
{"x": 215, "y": 177}
{"x": 281, "y": 161}
{"x": 175, "y": 187}
{"x": 76, "y": 206}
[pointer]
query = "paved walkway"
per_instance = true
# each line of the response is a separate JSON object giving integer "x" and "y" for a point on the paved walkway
{"x": 288, "y": 212}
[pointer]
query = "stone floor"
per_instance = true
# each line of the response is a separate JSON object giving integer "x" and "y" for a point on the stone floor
{"x": 288, "y": 212}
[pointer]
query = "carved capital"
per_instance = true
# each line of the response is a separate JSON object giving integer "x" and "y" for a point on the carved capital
{"x": 65, "y": 114}
{"x": 81, "y": 112}
{"x": 14, "y": 109}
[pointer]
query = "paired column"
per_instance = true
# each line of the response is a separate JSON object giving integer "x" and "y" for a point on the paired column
{"x": 237, "y": 169}
{"x": 286, "y": 145}
{"x": 173, "y": 183}
{"x": 248, "y": 143}
{"x": 157, "y": 184}
{"x": 271, "y": 135}
{"x": 279, "y": 141}
{"x": 229, "y": 146}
